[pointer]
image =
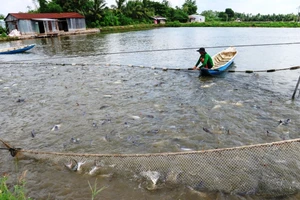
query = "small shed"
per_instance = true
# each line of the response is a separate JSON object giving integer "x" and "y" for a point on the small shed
{"x": 44, "y": 23}
{"x": 196, "y": 18}
{"x": 159, "y": 20}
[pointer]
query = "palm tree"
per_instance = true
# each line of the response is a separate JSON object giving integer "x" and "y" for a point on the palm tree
{"x": 120, "y": 6}
{"x": 97, "y": 8}
{"x": 135, "y": 10}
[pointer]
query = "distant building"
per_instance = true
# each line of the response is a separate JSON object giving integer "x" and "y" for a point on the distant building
{"x": 44, "y": 23}
{"x": 196, "y": 18}
{"x": 238, "y": 20}
{"x": 159, "y": 20}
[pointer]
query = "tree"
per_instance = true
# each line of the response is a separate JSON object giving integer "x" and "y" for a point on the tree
{"x": 210, "y": 15}
{"x": 178, "y": 15}
{"x": 43, "y": 6}
{"x": 120, "y": 4}
{"x": 189, "y": 7}
{"x": 230, "y": 13}
{"x": 97, "y": 7}
{"x": 54, "y": 8}
{"x": 166, "y": 3}
{"x": 135, "y": 10}
{"x": 223, "y": 16}
{"x": 159, "y": 8}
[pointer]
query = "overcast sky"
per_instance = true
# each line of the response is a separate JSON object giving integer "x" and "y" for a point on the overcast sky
{"x": 241, "y": 6}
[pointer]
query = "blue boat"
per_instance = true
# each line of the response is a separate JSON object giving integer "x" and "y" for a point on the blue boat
{"x": 222, "y": 62}
{"x": 13, "y": 50}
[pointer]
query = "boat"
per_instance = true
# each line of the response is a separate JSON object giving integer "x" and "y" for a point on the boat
{"x": 20, "y": 49}
{"x": 222, "y": 62}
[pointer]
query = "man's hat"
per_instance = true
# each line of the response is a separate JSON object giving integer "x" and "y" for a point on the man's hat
{"x": 201, "y": 49}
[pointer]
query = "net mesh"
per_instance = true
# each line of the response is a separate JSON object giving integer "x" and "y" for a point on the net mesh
{"x": 264, "y": 169}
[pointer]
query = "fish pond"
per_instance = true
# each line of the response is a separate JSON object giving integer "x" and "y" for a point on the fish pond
{"x": 108, "y": 94}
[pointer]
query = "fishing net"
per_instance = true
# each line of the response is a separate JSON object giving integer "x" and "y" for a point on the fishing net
{"x": 264, "y": 169}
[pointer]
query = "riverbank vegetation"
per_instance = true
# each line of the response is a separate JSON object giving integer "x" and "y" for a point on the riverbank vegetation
{"x": 139, "y": 15}
{"x": 98, "y": 14}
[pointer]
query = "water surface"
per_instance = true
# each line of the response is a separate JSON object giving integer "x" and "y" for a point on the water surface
{"x": 119, "y": 109}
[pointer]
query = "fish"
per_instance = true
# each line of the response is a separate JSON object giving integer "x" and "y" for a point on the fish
{"x": 55, "y": 127}
{"x": 94, "y": 124}
{"x": 94, "y": 168}
{"x": 135, "y": 117}
{"x": 206, "y": 130}
{"x": 152, "y": 175}
{"x": 20, "y": 100}
{"x": 200, "y": 194}
{"x": 284, "y": 122}
{"x": 75, "y": 140}
{"x": 208, "y": 85}
{"x": 102, "y": 107}
{"x": 33, "y": 133}
{"x": 185, "y": 149}
{"x": 118, "y": 82}
{"x": 78, "y": 164}
{"x": 216, "y": 107}
{"x": 69, "y": 165}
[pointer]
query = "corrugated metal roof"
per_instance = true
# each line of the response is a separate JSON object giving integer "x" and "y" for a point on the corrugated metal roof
{"x": 46, "y": 15}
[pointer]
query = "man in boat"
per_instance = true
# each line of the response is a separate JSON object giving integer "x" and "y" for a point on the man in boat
{"x": 205, "y": 59}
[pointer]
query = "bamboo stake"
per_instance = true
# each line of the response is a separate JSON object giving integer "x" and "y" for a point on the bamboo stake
{"x": 293, "y": 97}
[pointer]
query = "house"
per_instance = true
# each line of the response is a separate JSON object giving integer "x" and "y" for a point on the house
{"x": 48, "y": 24}
{"x": 159, "y": 20}
{"x": 196, "y": 18}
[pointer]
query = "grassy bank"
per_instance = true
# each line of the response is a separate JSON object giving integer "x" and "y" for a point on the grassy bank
{"x": 242, "y": 24}
{"x": 113, "y": 29}
{"x": 8, "y": 38}
{"x": 137, "y": 27}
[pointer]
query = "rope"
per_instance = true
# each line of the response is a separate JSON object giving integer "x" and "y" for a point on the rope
{"x": 267, "y": 70}
{"x": 155, "y": 68}
{"x": 190, "y": 48}
{"x": 14, "y": 151}
{"x": 174, "y": 49}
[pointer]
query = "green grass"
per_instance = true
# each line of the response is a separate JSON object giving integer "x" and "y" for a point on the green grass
{"x": 237, "y": 24}
{"x": 94, "y": 189}
{"x": 15, "y": 192}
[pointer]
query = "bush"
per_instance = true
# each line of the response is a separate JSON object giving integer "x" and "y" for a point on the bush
{"x": 173, "y": 24}
{"x": 3, "y": 32}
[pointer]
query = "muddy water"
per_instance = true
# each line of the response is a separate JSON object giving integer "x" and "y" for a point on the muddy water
{"x": 117, "y": 109}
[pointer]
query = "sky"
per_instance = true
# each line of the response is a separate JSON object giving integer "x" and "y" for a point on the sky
{"x": 242, "y": 6}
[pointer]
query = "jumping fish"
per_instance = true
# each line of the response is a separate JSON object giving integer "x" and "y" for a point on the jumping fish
{"x": 20, "y": 100}
{"x": 208, "y": 131}
{"x": 55, "y": 127}
{"x": 216, "y": 107}
{"x": 207, "y": 85}
{"x": 69, "y": 165}
{"x": 95, "y": 168}
{"x": 185, "y": 149}
{"x": 135, "y": 117}
{"x": 33, "y": 133}
{"x": 152, "y": 175}
{"x": 284, "y": 122}
{"x": 78, "y": 164}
